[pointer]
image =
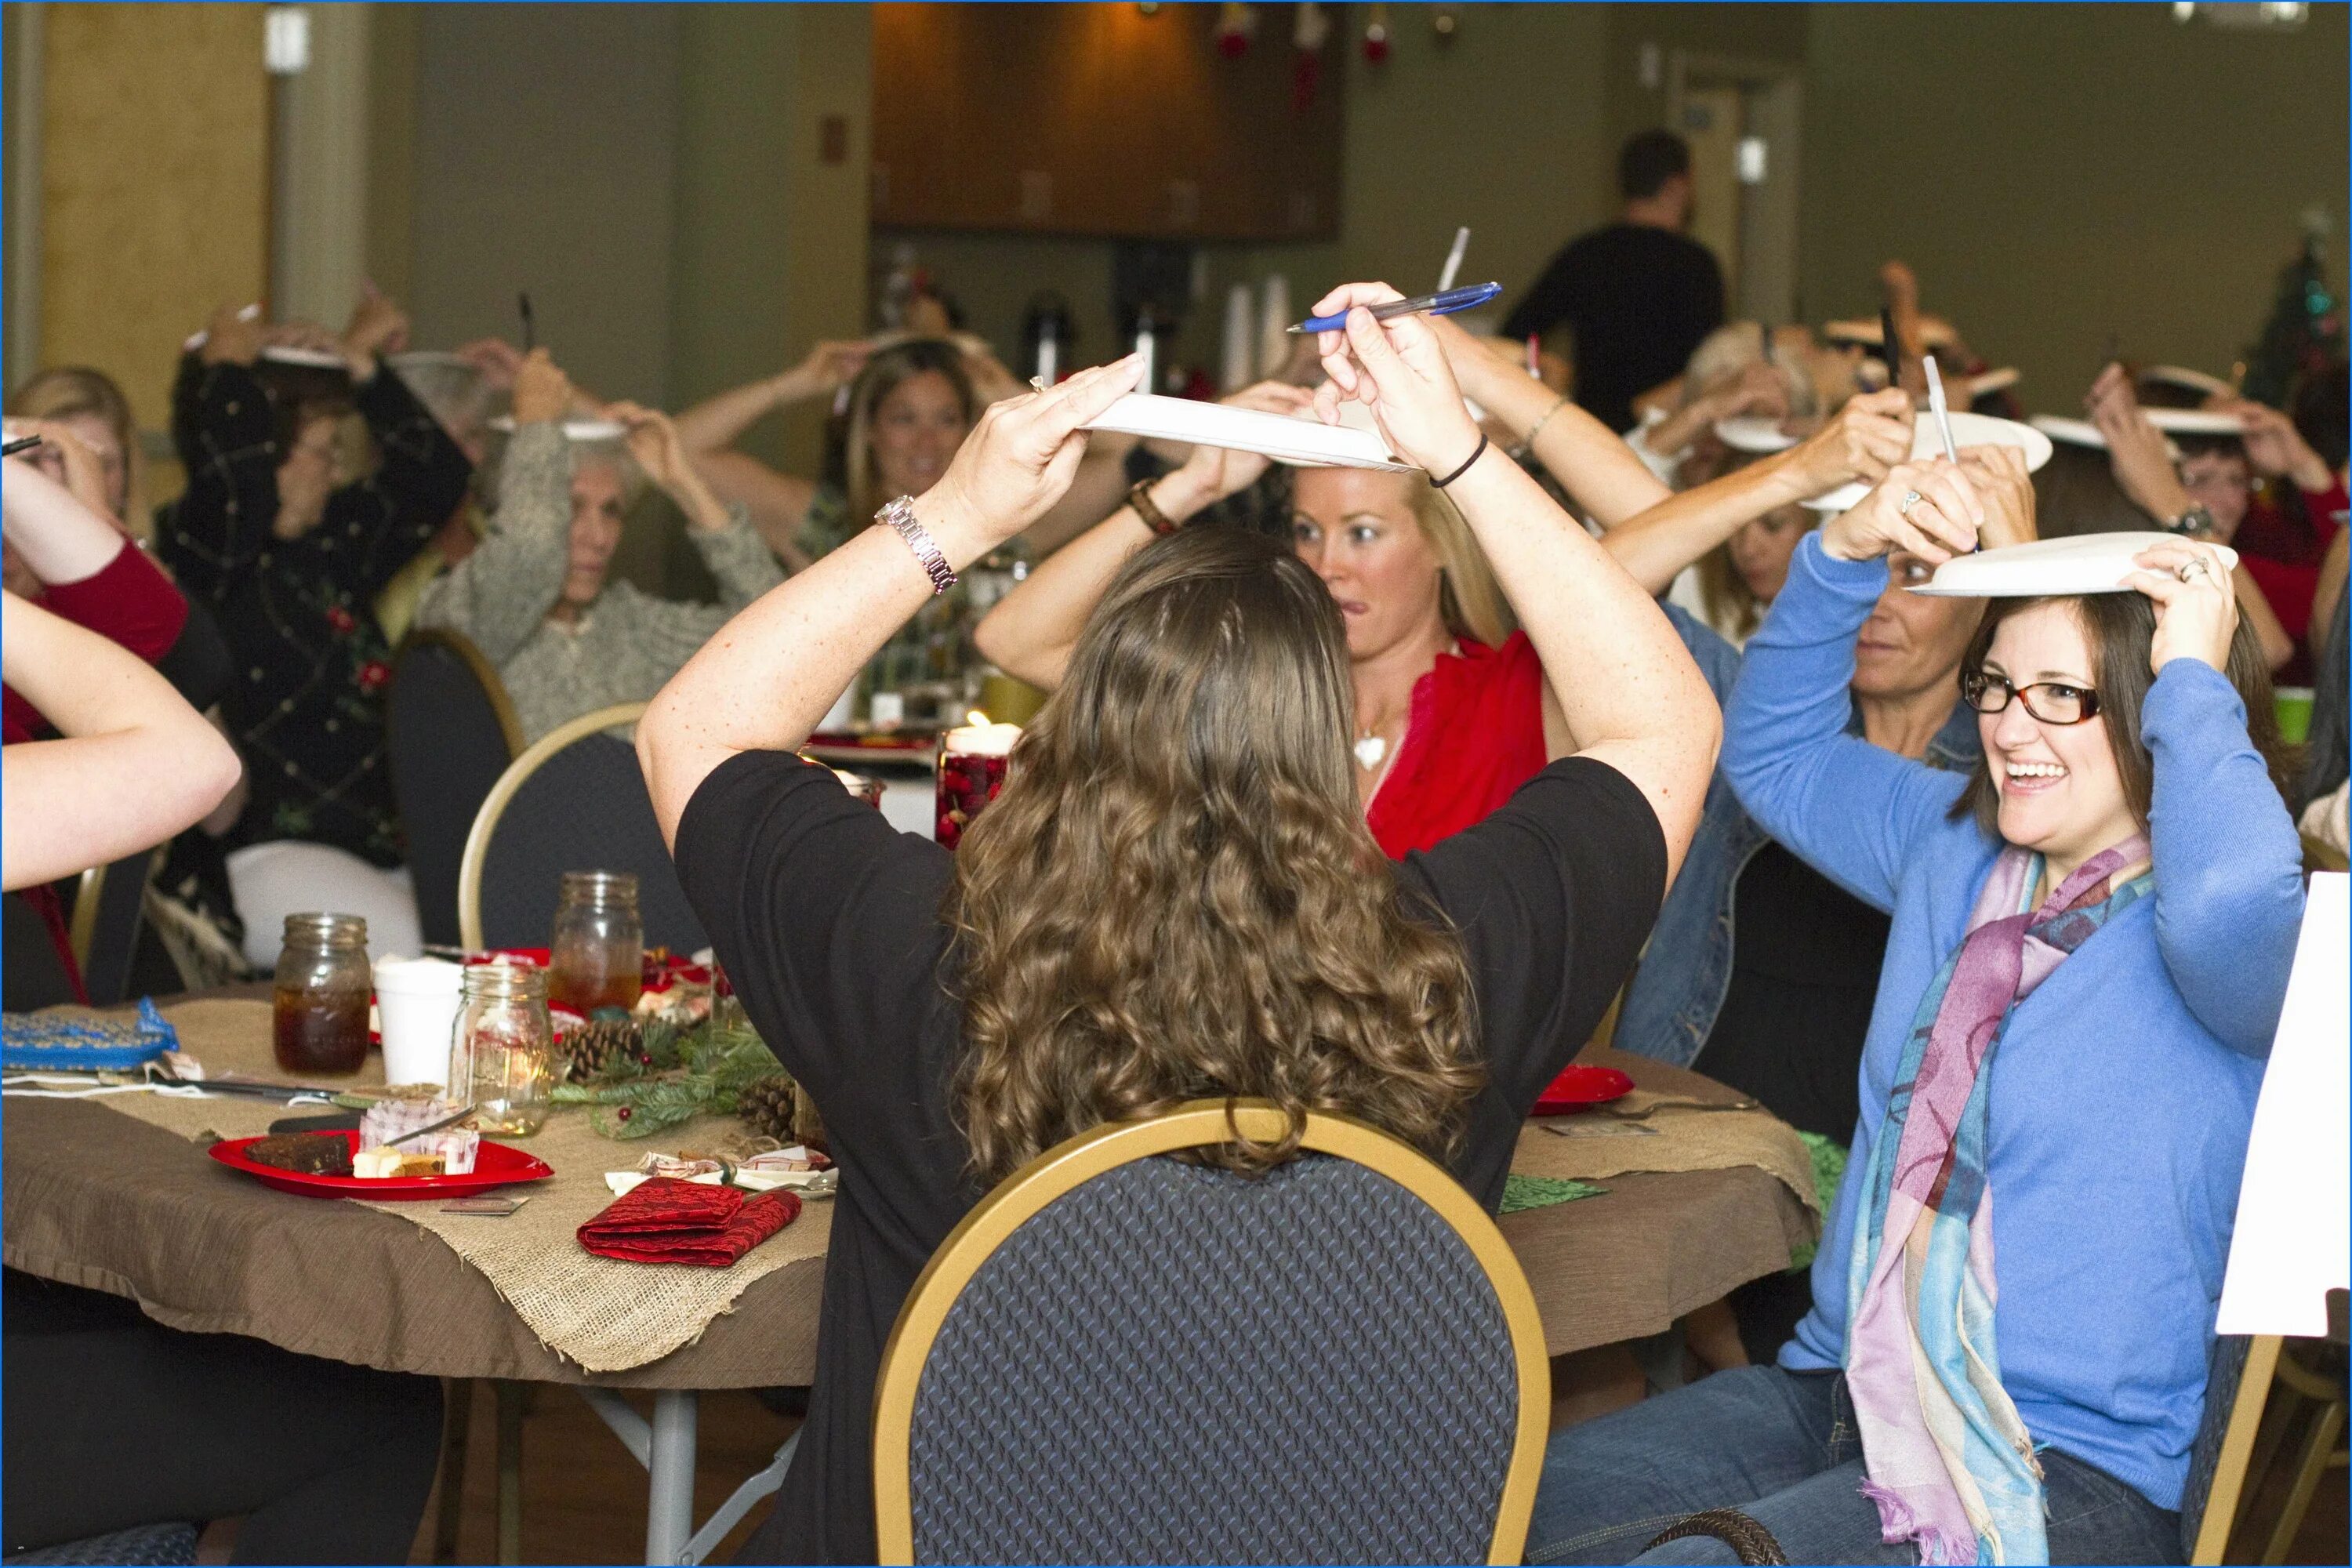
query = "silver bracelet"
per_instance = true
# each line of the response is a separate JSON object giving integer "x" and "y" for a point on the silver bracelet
{"x": 900, "y": 515}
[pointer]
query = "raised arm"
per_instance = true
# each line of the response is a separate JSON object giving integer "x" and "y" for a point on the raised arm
{"x": 1585, "y": 456}
{"x": 740, "y": 564}
{"x": 763, "y": 683}
{"x": 2229, "y": 861}
{"x": 1032, "y": 631}
{"x": 226, "y": 436}
{"x": 496, "y": 596}
{"x": 137, "y": 764}
{"x": 716, "y": 422}
{"x": 1849, "y": 809}
{"x": 1869, "y": 436}
{"x": 1629, "y": 692}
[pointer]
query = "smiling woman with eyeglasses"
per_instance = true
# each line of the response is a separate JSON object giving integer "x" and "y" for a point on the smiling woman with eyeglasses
{"x": 2013, "y": 1307}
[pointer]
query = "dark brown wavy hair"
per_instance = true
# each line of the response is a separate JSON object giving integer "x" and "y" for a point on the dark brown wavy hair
{"x": 1175, "y": 896}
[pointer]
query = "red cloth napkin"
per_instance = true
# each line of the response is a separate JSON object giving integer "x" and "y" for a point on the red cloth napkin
{"x": 664, "y": 1220}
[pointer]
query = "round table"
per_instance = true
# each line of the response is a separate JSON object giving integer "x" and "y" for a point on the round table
{"x": 92, "y": 1198}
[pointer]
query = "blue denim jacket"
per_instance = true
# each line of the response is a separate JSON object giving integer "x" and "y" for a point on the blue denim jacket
{"x": 1685, "y": 971}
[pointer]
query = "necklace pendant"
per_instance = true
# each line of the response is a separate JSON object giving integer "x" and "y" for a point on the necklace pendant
{"x": 1371, "y": 749}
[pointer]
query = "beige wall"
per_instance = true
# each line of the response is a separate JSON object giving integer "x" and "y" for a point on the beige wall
{"x": 2059, "y": 173}
{"x": 154, "y": 184}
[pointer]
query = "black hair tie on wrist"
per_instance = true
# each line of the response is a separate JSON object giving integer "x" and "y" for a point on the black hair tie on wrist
{"x": 1476, "y": 453}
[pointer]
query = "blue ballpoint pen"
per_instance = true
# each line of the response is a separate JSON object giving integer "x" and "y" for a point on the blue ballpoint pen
{"x": 1440, "y": 304}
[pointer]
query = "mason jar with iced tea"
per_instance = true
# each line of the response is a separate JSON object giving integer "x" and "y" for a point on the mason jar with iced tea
{"x": 318, "y": 1013}
{"x": 597, "y": 952}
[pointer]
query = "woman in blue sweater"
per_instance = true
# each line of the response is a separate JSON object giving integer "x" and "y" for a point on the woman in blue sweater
{"x": 2012, "y": 1310}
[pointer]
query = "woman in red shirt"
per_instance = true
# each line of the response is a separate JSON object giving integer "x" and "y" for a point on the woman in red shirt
{"x": 79, "y": 566}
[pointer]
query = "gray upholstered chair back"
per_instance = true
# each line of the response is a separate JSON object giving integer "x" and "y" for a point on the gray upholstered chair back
{"x": 451, "y": 731}
{"x": 575, "y": 801}
{"x": 1171, "y": 1362}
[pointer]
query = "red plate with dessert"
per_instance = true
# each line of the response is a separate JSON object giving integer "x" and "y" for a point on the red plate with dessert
{"x": 1579, "y": 1087}
{"x": 495, "y": 1166}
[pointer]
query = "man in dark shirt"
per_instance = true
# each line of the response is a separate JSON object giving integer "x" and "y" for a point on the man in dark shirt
{"x": 1638, "y": 295}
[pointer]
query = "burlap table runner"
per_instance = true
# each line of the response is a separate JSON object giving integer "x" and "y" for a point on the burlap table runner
{"x": 601, "y": 1314}
{"x": 1651, "y": 1131}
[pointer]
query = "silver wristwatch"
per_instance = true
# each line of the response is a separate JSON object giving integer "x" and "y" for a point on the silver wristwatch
{"x": 2196, "y": 522}
{"x": 900, "y": 515}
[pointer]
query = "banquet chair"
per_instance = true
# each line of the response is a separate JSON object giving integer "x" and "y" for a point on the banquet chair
{"x": 450, "y": 732}
{"x": 141, "y": 1546}
{"x": 108, "y": 909}
{"x": 574, "y": 801}
{"x": 1121, "y": 1357}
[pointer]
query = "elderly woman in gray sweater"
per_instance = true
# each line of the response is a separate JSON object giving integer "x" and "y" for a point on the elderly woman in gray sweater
{"x": 534, "y": 598}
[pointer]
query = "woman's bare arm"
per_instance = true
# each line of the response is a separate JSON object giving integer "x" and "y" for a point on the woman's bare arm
{"x": 136, "y": 765}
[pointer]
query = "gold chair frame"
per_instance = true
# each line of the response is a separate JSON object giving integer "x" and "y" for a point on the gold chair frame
{"x": 1020, "y": 1196}
{"x": 82, "y": 927}
{"x": 494, "y": 806}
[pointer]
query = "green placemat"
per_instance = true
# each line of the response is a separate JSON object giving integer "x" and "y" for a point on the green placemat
{"x": 1542, "y": 1192}
{"x": 1829, "y": 1170}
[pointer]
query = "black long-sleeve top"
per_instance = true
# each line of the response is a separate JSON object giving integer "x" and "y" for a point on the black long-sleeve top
{"x": 306, "y": 703}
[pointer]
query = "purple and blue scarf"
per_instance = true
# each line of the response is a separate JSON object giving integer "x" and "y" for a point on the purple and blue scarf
{"x": 1949, "y": 1462}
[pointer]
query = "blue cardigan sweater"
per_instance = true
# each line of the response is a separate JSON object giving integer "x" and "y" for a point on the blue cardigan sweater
{"x": 2123, "y": 1088}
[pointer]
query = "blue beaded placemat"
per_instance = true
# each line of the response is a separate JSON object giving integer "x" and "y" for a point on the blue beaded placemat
{"x": 52, "y": 1043}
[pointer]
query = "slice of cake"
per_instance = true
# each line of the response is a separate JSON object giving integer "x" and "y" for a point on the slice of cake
{"x": 305, "y": 1153}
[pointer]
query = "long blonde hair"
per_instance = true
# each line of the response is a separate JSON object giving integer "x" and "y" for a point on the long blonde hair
{"x": 1175, "y": 896}
{"x": 1469, "y": 595}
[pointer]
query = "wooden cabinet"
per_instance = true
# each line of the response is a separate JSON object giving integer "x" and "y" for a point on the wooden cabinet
{"x": 1102, "y": 120}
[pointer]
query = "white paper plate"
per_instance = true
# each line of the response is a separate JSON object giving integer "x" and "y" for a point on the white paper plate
{"x": 1305, "y": 443}
{"x": 2193, "y": 380}
{"x": 1968, "y": 430}
{"x": 1753, "y": 433}
{"x": 2195, "y": 422}
{"x": 574, "y": 429}
{"x": 319, "y": 359}
{"x": 2086, "y": 564}
{"x": 2074, "y": 432}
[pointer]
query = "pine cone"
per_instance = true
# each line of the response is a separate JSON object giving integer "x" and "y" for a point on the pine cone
{"x": 767, "y": 1108}
{"x": 595, "y": 1047}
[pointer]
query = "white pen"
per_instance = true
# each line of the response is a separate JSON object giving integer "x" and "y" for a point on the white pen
{"x": 1454, "y": 259}
{"x": 1936, "y": 405}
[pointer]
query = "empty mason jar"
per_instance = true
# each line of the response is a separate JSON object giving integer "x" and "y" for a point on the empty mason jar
{"x": 318, "y": 1025}
{"x": 598, "y": 949}
{"x": 502, "y": 1053}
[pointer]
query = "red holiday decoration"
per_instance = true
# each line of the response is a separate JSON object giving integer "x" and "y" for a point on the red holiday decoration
{"x": 1376, "y": 33}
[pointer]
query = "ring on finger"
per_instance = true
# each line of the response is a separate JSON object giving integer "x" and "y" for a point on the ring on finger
{"x": 2190, "y": 571}
{"x": 1910, "y": 498}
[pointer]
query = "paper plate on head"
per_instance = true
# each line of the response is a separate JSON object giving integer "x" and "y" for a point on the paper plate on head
{"x": 1934, "y": 331}
{"x": 573, "y": 429}
{"x": 2074, "y": 432}
{"x": 2195, "y": 422}
{"x": 2085, "y": 563}
{"x": 1753, "y": 433}
{"x": 312, "y": 359}
{"x": 1984, "y": 382}
{"x": 2189, "y": 380}
{"x": 1303, "y": 442}
{"x": 1968, "y": 430}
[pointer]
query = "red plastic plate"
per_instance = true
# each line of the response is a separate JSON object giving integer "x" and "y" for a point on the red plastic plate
{"x": 495, "y": 1166}
{"x": 1579, "y": 1087}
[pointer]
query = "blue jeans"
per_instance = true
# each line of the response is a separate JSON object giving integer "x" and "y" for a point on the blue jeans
{"x": 1781, "y": 1448}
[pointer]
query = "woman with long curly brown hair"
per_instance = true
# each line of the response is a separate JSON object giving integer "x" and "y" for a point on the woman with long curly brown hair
{"x": 1175, "y": 896}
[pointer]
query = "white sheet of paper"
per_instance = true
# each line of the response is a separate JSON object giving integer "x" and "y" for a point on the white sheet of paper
{"x": 2294, "y": 1237}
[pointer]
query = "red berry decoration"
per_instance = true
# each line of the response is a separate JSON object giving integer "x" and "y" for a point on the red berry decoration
{"x": 625, "y": 1113}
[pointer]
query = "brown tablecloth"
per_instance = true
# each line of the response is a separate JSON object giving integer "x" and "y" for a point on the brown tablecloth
{"x": 97, "y": 1198}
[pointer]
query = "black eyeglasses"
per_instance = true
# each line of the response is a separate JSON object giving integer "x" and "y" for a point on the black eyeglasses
{"x": 2052, "y": 702}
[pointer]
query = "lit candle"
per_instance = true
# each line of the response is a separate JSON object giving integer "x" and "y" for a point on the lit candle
{"x": 973, "y": 761}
